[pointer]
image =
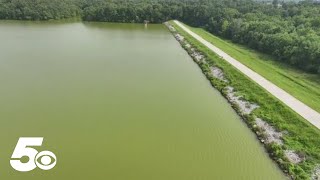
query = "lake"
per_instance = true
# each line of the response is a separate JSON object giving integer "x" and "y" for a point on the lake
{"x": 118, "y": 102}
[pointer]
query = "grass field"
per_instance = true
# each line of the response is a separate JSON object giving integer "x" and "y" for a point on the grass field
{"x": 299, "y": 135}
{"x": 303, "y": 86}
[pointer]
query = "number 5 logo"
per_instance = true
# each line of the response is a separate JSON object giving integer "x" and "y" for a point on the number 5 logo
{"x": 23, "y": 148}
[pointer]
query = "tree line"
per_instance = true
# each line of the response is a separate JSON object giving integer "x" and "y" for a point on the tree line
{"x": 289, "y": 31}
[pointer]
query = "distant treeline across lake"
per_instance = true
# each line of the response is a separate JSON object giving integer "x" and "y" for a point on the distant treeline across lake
{"x": 289, "y": 31}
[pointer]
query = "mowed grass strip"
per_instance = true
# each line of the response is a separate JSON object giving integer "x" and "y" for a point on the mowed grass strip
{"x": 301, "y": 85}
{"x": 299, "y": 135}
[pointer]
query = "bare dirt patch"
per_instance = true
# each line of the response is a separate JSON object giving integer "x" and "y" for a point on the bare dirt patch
{"x": 271, "y": 135}
{"x": 316, "y": 173}
{"x": 218, "y": 73}
{"x": 293, "y": 156}
{"x": 245, "y": 106}
{"x": 179, "y": 37}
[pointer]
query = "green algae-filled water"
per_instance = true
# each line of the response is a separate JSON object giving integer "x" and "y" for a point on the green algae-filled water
{"x": 118, "y": 102}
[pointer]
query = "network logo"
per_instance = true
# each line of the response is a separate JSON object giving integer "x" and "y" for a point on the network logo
{"x": 44, "y": 160}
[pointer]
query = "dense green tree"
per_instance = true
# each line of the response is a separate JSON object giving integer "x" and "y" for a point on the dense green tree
{"x": 289, "y": 31}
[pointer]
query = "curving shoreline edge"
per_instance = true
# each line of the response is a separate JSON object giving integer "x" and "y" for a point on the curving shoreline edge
{"x": 292, "y": 161}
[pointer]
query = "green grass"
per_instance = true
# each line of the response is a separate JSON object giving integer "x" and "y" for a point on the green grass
{"x": 300, "y": 135}
{"x": 303, "y": 86}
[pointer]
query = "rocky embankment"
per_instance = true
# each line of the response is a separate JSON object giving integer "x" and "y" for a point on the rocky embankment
{"x": 266, "y": 133}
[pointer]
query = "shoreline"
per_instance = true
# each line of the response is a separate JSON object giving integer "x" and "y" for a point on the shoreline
{"x": 296, "y": 105}
{"x": 270, "y": 136}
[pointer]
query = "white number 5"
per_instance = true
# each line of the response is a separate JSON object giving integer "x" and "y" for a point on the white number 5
{"x": 23, "y": 148}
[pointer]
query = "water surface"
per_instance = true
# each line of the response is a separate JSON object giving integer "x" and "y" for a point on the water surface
{"x": 118, "y": 102}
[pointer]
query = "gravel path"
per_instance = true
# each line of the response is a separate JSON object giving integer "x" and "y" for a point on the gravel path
{"x": 303, "y": 110}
